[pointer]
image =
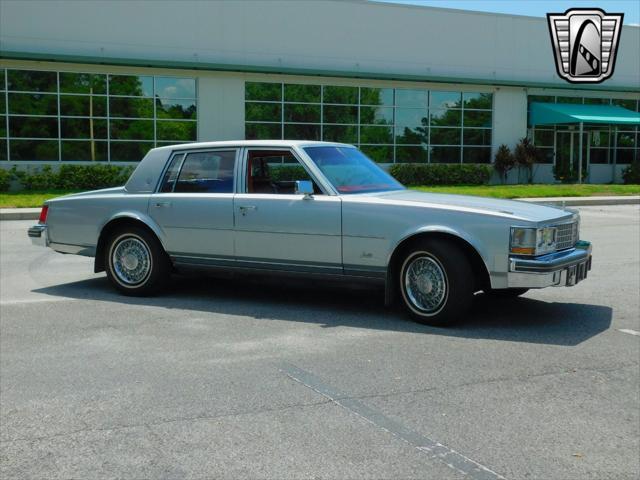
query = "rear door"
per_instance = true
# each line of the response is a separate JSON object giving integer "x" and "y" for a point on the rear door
{"x": 194, "y": 205}
{"x": 279, "y": 228}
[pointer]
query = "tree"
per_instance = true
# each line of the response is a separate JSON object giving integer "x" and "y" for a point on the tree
{"x": 526, "y": 155}
{"x": 504, "y": 161}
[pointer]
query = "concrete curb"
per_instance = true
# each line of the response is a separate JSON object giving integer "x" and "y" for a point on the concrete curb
{"x": 34, "y": 213}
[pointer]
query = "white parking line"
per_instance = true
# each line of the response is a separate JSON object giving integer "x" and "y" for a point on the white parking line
{"x": 629, "y": 331}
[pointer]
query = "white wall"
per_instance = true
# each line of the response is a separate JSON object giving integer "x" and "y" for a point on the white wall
{"x": 509, "y": 117}
{"x": 328, "y": 36}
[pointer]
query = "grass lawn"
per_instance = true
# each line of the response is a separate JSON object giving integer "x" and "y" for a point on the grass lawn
{"x": 37, "y": 198}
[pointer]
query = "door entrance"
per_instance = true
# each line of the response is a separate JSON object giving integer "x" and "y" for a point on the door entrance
{"x": 568, "y": 155}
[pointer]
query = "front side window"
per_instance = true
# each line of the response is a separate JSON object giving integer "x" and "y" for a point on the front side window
{"x": 207, "y": 172}
{"x": 275, "y": 171}
{"x": 351, "y": 171}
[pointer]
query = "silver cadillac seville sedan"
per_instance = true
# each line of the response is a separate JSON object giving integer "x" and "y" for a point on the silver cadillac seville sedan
{"x": 312, "y": 209}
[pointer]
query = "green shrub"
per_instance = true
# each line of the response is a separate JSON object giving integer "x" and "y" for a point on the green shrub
{"x": 526, "y": 154}
{"x": 288, "y": 173}
{"x": 5, "y": 179}
{"x": 73, "y": 177}
{"x": 631, "y": 174}
{"x": 441, "y": 174}
{"x": 504, "y": 161}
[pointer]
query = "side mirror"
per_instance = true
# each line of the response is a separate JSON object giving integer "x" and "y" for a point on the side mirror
{"x": 304, "y": 187}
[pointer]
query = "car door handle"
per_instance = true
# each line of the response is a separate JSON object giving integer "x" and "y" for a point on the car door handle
{"x": 245, "y": 208}
{"x": 162, "y": 204}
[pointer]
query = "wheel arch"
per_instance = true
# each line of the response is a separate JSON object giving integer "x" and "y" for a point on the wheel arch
{"x": 119, "y": 221}
{"x": 471, "y": 251}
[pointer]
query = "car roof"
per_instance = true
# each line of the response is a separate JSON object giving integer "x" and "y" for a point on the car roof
{"x": 252, "y": 143}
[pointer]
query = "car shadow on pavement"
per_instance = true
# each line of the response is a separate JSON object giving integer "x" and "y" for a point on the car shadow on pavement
{"x": 333, "y": 305}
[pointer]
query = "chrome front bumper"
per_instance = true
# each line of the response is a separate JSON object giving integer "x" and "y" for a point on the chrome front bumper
{"x": 38, "y": 235}
{"x": 558, "y": 269}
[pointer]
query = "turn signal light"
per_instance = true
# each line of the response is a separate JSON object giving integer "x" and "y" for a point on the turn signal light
{"x": 523, "y": 250}
{"x": 43, "y": 214}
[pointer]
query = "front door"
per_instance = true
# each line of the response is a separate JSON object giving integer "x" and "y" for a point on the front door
{"x": 277, "y": 228}
{"x": 194, "y": 206}
{"x": 567, "y": 154}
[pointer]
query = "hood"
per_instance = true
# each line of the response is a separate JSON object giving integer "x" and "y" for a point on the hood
{"x": 517, "y": 209}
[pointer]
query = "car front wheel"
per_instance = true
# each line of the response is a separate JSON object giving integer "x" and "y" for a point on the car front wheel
{"x": 136, "y": 262}
{"x": 436, "y": 282}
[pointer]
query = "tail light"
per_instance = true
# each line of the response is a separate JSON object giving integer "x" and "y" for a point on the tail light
{"x": 43, "y": 214}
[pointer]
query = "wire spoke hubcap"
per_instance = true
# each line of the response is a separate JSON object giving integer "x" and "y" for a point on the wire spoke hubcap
{"x": 131, "y": 260}
{"x": 426, "y": 284}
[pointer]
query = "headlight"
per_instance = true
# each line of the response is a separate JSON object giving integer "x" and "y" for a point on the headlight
{"x": 532, "y": 241}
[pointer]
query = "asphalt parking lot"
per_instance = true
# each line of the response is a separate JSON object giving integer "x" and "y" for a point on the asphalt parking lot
{"x": 240, "y": 377}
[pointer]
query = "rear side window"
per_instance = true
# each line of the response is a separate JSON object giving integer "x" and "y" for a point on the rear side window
{"x": 207, "y": 172}
{"x": 170, "y": 176}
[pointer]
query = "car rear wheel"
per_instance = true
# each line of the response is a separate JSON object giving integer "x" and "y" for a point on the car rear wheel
{"x": 136, "y": 262}
{"x": 436, "y": 283}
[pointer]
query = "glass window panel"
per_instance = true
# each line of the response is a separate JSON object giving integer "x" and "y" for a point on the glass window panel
{"x": 263, "y": 91}
{"x": 302, "y": 113}
{"x": 32, "y": 81}
{"x": 378, "y": 153}
{"x": 83, "y": 106}
{"x": 445, "y": 155}
{"x": 411, "y": 98}
{"x": 171, "y": 174}
{"x": 39, "y": 150}
{"x": 335, "y": 94}
{"x": 167, "y": 130}
{"x": 625, "y": 103}
{"x": 131, "y": 107}
{"x": 546, "y": 155}
{"x": 84, "y": 151}
{"x": 626, "y": 155}
{"x": 480, "y": 101}
{"x": 376, "y": 96}
{"x": 411, "y": 117}
{"x": 33, "y": 127}
{"x": 476, "y": 155}
{"x": 302, "y": 93}
{"x": 2, "y": 85}
{"x": 626, "y": 139}
{"x": 338, "y": 114}
{"x": 406, "y": 135}
{"x": 301, "y": 131}
{"x": 267, "y": 112}
{"x": 441, "y": 117}
{"x": 129, "y": 151}
{"x": 476, "y": 136}
{"x": 543, "y": 138}
{"x": 262, "y": 131}
{"x": 568, "y": 99}
{"x": 376, "y": 135}
{"x": 135, "y": 86}
{"x": 3, "y": 150}
{"x": 376, "y": 115}
{"x": 170, "y": 108}
{"x": 445, "y": 136}
{"x": 597, "y": 101}
{"x": 473, "y": 118}
{"x": 171, "y": 87}
{"x": 33, "y": 104}
{"x": 445, "y": 99}
{"x": 83, "y": 128}
{"x": 132, "y": 129}
{"x": 412, "y": 154}
{"x": 599, "y": 155}
{"x": 599, "y": 138}
{"x": 541, "y": 98}
{"x": 3, "y": 126}
{"x": 340, "y": 133}
{"x": 3, "y": 103}
{"x": 83, "y": 83}
{"x": 207, "y": 172}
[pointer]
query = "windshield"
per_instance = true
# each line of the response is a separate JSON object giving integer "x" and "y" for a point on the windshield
{"x": 351, "y": 171}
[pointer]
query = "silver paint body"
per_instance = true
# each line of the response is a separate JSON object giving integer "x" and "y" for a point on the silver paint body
{"x": 353, "y": 234}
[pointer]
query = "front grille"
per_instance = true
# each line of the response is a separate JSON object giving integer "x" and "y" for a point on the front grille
{"x": 567, "y": 235}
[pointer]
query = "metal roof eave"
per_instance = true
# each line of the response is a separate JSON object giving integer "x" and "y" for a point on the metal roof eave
{"x": 207, "y": 66}
{"x": 558, "y": 113}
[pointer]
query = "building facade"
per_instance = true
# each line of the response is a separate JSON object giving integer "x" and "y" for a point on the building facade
{"x": 105, "y": 81}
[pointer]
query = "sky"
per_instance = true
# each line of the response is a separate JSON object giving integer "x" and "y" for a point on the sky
{"x": 535, "y": 8}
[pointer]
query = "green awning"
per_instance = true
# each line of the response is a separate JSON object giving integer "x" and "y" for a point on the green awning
{"x": 553, "y": 113}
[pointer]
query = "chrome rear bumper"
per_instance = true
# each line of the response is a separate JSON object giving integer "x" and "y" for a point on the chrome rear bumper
{"x": 38, "y": 235}
{"x": 557, "y": 269}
